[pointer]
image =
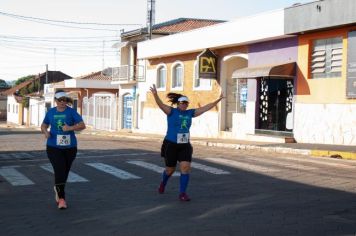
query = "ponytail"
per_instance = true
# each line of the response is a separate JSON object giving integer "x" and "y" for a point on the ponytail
{"x": 173, "y": 97}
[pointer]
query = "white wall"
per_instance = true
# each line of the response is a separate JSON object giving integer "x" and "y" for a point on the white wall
{"x": 37, "y": 111}
{"x": 325, "y": 123}
{"x": 12, "y": 114}
{"x": 82, "y": 83}
{"x": 240, "y": 31}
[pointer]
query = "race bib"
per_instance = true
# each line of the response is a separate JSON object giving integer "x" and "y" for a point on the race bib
{"x": 63, "y": 140}
{"x": 182, "y": 137}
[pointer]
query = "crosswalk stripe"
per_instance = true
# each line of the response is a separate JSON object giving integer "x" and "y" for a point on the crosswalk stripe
{"x": 297, "y": 166}
{"x": 327, "y": 162}
{"x": 113, "y": 171}
{"x": 72, "y": 177}
{"x": 28, "y": 155}
{"x": 150, "y": 166}
{"x": 14, "y": 177}
{"x": 209, "y": 169}
{"x": 241, "y": 165}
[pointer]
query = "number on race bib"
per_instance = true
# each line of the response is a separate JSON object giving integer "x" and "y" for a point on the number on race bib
{"x": 182, "y": 137}
{"x": 63, "y": 140}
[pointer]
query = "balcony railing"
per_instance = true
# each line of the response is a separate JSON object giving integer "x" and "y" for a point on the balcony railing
{"x": 126, "y": 74}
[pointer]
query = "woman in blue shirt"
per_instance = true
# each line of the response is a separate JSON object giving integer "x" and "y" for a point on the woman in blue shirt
{"x": 176, "y": 145}
{"x": 61, "y": 141}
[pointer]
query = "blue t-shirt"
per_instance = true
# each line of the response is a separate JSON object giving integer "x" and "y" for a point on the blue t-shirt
{"x": 179, "y": 123}
{"x": 56, "y": 119}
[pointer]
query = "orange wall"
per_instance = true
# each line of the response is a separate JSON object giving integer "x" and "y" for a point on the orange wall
{"x": 322, "y": 90}
{"x": 197, "y": 98}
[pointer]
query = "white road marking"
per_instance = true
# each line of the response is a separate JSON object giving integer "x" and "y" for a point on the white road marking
{"x": 241, "y": 165}
{"x": 14, "y": 177}
{"x": 296, "y": 166}
{"x": 114, "y": 155}
{"x": 150, "y": 166}
{"x": 209, "y": 169}
{"x": 321, "y": 161}
{"x": 72, "y": 177}
{"x": 113, "y": 171}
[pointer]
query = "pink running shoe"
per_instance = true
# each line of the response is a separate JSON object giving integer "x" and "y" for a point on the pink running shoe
{"x": 62, "y": 204}
{"x": 161, "y": 188}
{"x": 184, "y": 197}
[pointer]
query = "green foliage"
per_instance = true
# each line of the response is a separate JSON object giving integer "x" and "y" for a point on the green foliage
{"x": 23, "y": 79}
{"x": 23, "y": 91}
{"x": 33, "y": 87}
{"x": 25, "y": 102}
{"x": 3, "y": 84}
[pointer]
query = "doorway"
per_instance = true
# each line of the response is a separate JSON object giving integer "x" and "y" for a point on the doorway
{"x": 274, "y": 104}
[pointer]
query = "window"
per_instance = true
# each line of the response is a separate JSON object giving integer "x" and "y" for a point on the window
{"x": 177, "y": 76}
{"x": 200, "y": 84}
{"x": 8, "y": 108}
{"x": 326, "y": 58}
{"x": 161, "y": 77}
{"x": 241, "y": 95}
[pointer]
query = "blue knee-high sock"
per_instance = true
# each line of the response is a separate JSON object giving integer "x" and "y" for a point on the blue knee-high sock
{"x": 165, "y": 177}
{"x": 184, "y": 179}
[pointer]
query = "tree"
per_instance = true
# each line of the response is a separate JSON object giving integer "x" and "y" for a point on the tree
{"x": 23, "y": 79}
{"x": 3, "y": 84}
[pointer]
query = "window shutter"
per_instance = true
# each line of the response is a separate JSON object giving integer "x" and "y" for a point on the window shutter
{"x": 326, "y": 58}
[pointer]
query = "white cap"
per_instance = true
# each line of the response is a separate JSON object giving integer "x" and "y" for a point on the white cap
{"x": 183, "y": 99}
{"x": 60, "y": 95}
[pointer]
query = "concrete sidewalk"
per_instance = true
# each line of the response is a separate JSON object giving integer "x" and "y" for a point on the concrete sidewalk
{"x": 318, "y": 150}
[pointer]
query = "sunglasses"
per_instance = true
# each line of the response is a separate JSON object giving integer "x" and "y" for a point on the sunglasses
{"x": 185, "y": 103}
{"x": 62, "y": 100}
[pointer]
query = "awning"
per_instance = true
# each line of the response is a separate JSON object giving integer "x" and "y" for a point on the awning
{"x": 120, "y": 44}
{"x": 281, "y": 71}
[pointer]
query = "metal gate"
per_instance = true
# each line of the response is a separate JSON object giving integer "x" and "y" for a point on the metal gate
{"x": 100, "y": 111}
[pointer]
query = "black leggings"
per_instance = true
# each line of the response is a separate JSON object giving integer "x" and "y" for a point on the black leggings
{"x": 174, "y": 152}
{"x": 61, "y": 160}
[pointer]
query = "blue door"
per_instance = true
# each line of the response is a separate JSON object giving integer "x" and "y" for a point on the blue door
{"x": 127, "y": 117}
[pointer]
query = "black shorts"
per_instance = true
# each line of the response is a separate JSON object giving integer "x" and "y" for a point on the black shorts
{"x": 174, "y": 152}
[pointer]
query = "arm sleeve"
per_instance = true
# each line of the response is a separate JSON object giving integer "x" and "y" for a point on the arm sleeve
{"x": 77, "y": 118}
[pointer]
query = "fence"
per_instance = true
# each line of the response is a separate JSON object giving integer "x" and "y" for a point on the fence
{"x": 101, "y": 112}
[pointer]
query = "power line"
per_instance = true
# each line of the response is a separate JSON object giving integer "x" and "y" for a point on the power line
{"x": 50, "y": 50}
{"x": 73, "y": 27}
{"x": 65, "y": 22}
{"x": 58, "y": 39}
{"x": 73, "y": 47}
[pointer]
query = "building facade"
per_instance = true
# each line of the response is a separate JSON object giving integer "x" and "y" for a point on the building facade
{"x": 325, "y": 105}
{"x": 291, "y": 80}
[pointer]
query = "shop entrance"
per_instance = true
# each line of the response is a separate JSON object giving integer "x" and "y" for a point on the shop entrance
{"x": 274, "y": 104}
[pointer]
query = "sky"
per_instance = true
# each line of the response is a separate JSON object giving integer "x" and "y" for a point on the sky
{"x": 76, "y": 36}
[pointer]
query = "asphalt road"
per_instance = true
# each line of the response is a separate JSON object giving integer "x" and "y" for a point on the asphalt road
{"x": 113, "y": 191}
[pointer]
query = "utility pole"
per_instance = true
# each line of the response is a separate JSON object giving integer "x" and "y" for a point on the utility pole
{"x": 46, "y": 73}
{"x": 103, "y": 59}
{"x": 150, "y": 16}
{"x": 54, "y": 53}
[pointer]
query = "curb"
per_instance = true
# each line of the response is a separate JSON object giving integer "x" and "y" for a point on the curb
{"x": 334, "y": 154}
{"x": 282, "y": 150}
{"x": 253, "y": 147}
{"x": 307, "y": 152}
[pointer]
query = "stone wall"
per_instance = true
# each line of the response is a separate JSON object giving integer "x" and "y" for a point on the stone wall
{"x": 325, "y": 123}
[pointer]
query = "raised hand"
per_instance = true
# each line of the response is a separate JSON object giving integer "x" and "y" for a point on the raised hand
{"x": 153, "y": 89}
